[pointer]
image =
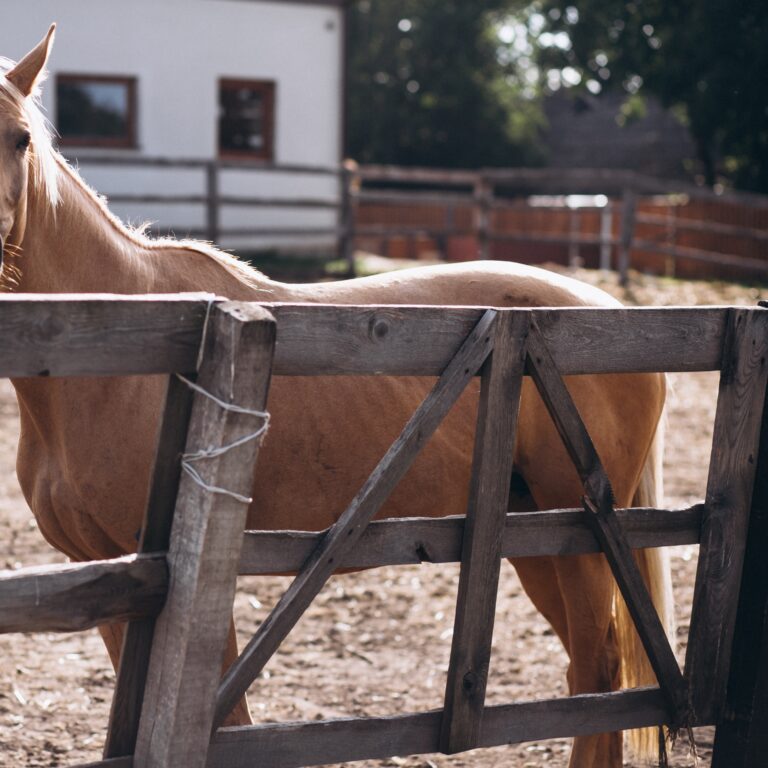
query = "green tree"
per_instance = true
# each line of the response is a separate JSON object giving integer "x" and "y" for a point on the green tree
{"x": 428, "y": 85}
{"x": 705, "y": 59}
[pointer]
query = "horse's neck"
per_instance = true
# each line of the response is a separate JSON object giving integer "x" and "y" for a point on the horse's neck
{"x": 79, "y": 248}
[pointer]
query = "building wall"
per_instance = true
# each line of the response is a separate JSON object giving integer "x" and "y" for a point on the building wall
{"x": 178, "y": 50}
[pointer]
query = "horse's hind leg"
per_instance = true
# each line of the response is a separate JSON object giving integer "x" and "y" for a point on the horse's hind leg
{"x": 574, "y": 594}
{"x": 585, "y": 583}
{"x": 113, "y": 635}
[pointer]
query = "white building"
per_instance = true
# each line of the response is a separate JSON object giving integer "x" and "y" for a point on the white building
{"x": 248, "y": 82}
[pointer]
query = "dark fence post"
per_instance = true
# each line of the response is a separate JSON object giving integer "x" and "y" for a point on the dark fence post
{"x": 212, "y": 202}
{"x": 628, "y": 206}
{"x": 606, "y": 235}
{"x": 482, "y": 193}
{"x": 741, "y": 739}
{"x": 346, "y": 223}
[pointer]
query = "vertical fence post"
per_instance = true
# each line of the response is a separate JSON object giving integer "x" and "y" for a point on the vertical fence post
{"x": 501, "y": 383}
{"x": 573, "y": 239}
{"x": 670, "y": 263}
{"x": 732, "y": 476}
{"x": 346, "y": 221}
{"x": 482, "y": 193}
{"x": 741, "y": 739}
{"x": 137, "y": 646}
{"x": 212, "y": 201}
{"x": 606, "y": 235}
{"x": 628, "y": 206}
{"x": 191, "y": 632}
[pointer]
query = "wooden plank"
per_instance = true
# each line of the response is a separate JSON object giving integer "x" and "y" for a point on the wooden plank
{"x": 75, "y": 596}
{"x": 495, "y": 438}
{"x": 191, "y": 632}
{"x": 698, "y": 254}
{"x": 729, "y": 490}
{"x": 741, "y": 738}
{"x": 291, "y": 745}
{"x": 684, "y": 224}
{"x": 344, "y": 534}
{"x": 155, "y": 537}
{"x": 337, "y": 340}
{"x": 438, "y": 540}
{"x": 605, "y": 526}
{"x": 102, "y": 335}
{"x": 672, "y": 339}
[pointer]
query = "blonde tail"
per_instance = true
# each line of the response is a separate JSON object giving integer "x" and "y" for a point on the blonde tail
{"x": 654, "y": 565}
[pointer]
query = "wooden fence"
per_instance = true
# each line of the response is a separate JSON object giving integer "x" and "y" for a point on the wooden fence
{"x": 169, "y": 696}
{"x": 656, "y": 225}
{"x": 601, "y": 218}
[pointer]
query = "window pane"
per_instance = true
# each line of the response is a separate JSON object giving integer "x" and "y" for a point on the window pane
{"x": 245, "y": 116}
{"x": 96, "y": 110}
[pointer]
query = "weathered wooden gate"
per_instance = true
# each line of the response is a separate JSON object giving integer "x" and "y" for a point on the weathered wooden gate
{"x": 169, "y": 696}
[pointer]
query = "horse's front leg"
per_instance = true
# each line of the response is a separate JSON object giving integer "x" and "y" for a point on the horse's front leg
{"x": 113, "y": 635}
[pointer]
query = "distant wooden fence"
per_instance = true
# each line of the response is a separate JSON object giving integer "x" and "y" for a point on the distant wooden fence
{"x": 519, "y": 214}
{"x": 535, "y": 215}
{"x": 169, "y": 695}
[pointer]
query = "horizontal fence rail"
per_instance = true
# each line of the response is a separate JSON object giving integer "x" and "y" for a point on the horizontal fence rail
{"x": 78, "y": 596}
{"x": 337, "y": 340}
{"x": 100, "y": 335}
{"x": 59, "y": 335}
{"x": 291, "y": 745}
{"x": 410, "y": 541}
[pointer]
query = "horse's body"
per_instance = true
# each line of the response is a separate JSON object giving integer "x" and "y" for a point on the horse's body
{"x": 86, "y": 445}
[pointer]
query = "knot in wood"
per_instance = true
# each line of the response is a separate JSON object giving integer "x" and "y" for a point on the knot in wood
{"x": 469, "y": 682}
{"x": 378, "y": 328}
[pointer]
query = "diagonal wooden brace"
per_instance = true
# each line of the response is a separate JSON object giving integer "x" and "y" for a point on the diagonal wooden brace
{"x": 598, "y": 504}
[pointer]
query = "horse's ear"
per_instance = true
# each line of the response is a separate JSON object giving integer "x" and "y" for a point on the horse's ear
{"x": 28, "y": 71}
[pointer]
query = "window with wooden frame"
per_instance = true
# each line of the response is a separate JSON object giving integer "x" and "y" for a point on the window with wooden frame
{"x": 246, "y": 119}
{"x": 96, "y": 110}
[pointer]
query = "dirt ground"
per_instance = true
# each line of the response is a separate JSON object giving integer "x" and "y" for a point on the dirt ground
{"x": 374, "y": 643}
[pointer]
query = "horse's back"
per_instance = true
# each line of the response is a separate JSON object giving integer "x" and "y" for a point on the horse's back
{"x": 329, "y": 432}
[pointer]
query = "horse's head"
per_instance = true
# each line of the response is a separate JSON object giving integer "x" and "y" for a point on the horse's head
{"x": 24, "y": 140}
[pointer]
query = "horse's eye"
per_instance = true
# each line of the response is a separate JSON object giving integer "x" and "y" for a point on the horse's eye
{"x": 23, "y": 143}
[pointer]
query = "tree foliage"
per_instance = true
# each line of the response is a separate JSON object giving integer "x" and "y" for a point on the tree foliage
{"x": 426, "y": 86}
{"x": 459, "y": 83}
{"x": 706, "y": 59}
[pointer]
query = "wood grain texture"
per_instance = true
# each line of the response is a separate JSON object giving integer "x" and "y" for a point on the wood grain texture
{"x": 438, "y": 540}
{"x": 731, "y": 479}
{"x": 495, "y": 438}
{"x": 741, "y": 738}
{"x": 337, "y": 340}
{"x": 68, "y": 335}
{"x": 599, "y": 502}
{"x": 191, "y": 632}
{"x": 344, "y": 534}
{"x": 290, "y": 745}
{"x": 61, "y": 335}
{"x": 78, "y": 596}
{"x": 155, "y": 537}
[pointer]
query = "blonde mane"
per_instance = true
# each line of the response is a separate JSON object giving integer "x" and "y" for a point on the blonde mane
{"x": 46, "y": 165}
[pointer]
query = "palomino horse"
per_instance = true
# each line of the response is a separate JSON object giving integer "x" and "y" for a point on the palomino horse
{"x": 86, "y": 445}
